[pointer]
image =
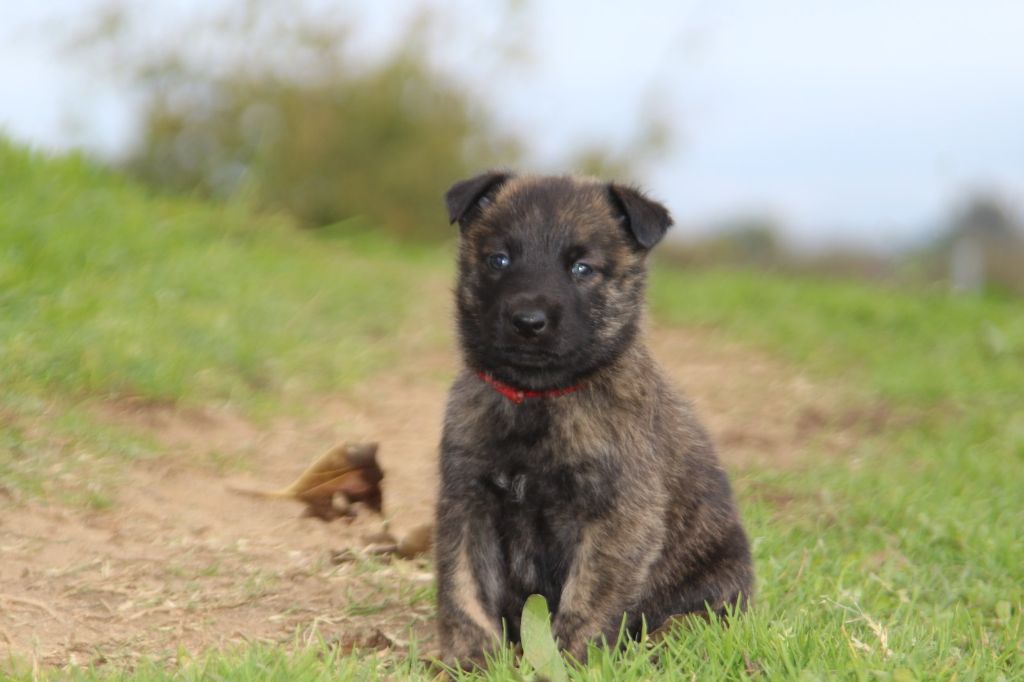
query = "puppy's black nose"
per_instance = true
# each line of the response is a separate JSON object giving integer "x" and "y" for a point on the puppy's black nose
{"x": 530, "y": 322}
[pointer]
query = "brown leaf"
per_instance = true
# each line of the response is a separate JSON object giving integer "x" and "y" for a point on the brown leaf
{"x": 374, "y": 640}
{"x": 381, "y": 536}
{"x": 417, "y": 541}
{"x": 349, "y": 470}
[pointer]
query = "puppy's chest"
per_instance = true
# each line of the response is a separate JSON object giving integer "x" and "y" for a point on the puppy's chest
{"x": 541, "y": 500}
{"x": 555, "y": 493}
{"x": 533, "y": 470}
{"x": 539, "y": 511}
{"x": 539, "y": 488}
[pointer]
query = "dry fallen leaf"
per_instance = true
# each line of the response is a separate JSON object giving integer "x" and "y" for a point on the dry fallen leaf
{"x": 417, "y": 541}
{"x": 374, "y": 640}
{"x": 349, "y": 470}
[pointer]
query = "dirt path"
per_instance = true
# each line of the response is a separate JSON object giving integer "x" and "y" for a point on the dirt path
{"x": 179, "y": 561}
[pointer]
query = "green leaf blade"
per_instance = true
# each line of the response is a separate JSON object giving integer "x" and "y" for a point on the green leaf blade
{"x": 539, "y": 647}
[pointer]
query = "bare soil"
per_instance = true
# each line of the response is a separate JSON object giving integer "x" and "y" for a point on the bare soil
{"x": 179, "y": 564}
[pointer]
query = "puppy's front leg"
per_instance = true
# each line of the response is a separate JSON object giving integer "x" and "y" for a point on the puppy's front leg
{"x": 469, "y": 582}
{"x": 608, "y": 574}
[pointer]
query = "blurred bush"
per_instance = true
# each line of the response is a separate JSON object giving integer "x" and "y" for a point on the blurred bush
{"x": 980, "y": 249}
{"x": 286, "y": 114}
{"x": 749, "y": 240}
{"x": 755, "y": 241}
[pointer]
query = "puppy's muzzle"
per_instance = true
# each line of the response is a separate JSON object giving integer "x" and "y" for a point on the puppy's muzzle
{"x": 529, "y": 322}
{"x": 531, "y": 317}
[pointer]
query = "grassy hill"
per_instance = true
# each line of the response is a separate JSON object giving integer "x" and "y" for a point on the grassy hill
{"x": 109, "y": 292}
{"x": 901, "y": 561}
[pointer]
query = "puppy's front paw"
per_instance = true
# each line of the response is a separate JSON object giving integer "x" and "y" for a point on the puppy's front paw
{"x": 465, "y": 660}
{"x": 468, "y": 648}
{"x": 572, "y": 635}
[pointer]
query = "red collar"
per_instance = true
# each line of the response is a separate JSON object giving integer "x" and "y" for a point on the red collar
{"x": 518, "y": 395}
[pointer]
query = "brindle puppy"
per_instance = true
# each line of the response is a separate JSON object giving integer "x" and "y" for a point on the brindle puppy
{"x": 569, "y": 468}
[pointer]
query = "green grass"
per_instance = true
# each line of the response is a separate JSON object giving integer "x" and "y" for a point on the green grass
{"x": 917, "y": 536}
{"x": 919, "y": 348}
{"x": 902, "y": 560}
{"x": 109, "y": 292}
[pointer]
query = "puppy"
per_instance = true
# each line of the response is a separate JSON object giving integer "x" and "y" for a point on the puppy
{"x": 569, "y": 467}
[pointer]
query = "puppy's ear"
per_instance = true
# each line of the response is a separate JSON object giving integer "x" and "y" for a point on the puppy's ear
{"x": 646, "y": 220}
{"x": 465, "y": 197}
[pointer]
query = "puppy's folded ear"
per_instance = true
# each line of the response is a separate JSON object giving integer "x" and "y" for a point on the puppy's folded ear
{"x": 646, "y": 219}
{"x": 465, "y": 197}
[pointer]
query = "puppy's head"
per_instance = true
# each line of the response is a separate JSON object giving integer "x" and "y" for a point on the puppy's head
{"x": 551, "y": 273}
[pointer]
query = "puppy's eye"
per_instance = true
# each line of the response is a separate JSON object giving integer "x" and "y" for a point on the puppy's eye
{"x": 580, "y": 269}
{"x": 499, "y": 261}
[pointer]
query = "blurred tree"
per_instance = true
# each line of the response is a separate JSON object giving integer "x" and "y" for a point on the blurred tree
{"x": 747, "y": 240}
{"x": 982, "y": 248}
{"x": 286, "y": 114}
{"x": 650, "y": 141}
{"x": 987, "y": 218}
{"x": 985, "y": 247}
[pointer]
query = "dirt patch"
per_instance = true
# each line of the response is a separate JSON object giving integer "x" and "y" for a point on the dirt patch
{"x": 181, "y": 562}
{"x": 760, "y": 410}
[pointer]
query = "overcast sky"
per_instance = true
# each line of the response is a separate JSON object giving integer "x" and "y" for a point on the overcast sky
{"x": 861, "y": 121}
